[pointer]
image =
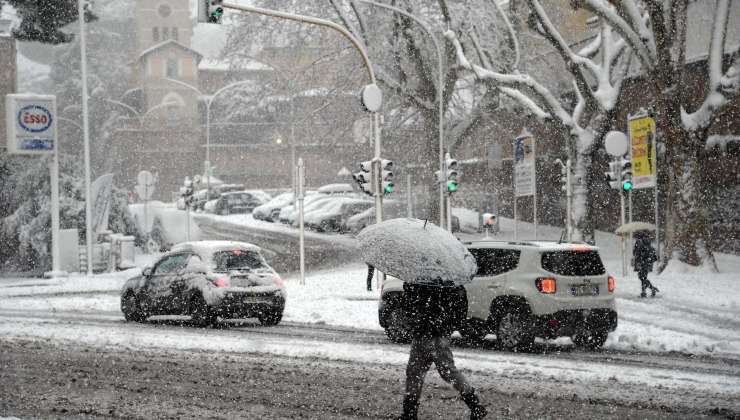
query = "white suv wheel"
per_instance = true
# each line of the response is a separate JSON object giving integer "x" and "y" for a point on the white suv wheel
{"x": 512, "y": 331}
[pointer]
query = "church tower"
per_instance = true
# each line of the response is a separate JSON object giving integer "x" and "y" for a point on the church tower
{"x": 167, "y": 68}
{"x": 160, "y": 20}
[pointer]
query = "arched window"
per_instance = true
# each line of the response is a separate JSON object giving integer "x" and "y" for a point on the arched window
{"x": 173, "y": 68}
{"x": 175, "y": 35}
{"x": 155, "y": 34}
{"x": 165, "y": 33}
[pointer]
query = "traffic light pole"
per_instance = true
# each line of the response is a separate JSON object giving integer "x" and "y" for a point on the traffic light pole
{"x": 358, "y": 46}
{"x": 301, "y": 239}
{"x": 621, "y": 237}
{"x": 440, "y": 94}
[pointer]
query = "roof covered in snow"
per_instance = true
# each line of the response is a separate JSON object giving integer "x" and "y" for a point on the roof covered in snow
{"x": 207, "y": 248}
{"x": 169, "y": 42}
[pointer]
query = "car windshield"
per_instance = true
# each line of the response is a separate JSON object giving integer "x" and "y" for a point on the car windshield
{"x": 238, "y": 259}
{"x": 573, "y": 263}
{"x": 236, "y": 198}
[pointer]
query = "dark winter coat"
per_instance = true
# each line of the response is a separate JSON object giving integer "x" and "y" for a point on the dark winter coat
{"x": 433, "y": 311}
{"x": 644, "y": 255}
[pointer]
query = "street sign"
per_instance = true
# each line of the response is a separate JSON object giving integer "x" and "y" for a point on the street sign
{"x": 31, "y": 122}
{"x": 145, "y": 187}
{"x": 616, "y": 143}
{"x": 493, "y": 156}
{"x": 524, "y": 165}
{"x": 372, "y": 97}
{"x": 642, "y": 150}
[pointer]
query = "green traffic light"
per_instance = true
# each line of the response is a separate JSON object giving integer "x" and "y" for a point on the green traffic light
{"x": 627, "y": 185}
{"x": 388, "y": 189}
{"x": 452, "y": 186}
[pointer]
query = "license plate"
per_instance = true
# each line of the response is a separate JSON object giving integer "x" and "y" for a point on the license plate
{"x": 585, "y": 290}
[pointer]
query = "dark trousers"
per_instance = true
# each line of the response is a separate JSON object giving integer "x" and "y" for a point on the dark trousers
{"x": 424, "y": 351}
{"x": 643, "y": 275}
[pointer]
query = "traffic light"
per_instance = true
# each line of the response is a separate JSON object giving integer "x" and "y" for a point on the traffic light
{"x": 187, "y": 191}
{"x": 564, "y": 178}
{"x": 364, "y": 177}
{"x": 626, "y": 175}
{"x": 210, "y": 11}
{"x": 452, "y": 177}
{"x": 386, "y": 176}
{"x": 614, "y": 174}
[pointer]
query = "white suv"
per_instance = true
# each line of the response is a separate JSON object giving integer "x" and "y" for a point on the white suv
{"x": 524, "y": 290}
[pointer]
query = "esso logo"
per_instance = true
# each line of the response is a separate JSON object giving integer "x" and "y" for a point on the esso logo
{"x": 34, "y": 118}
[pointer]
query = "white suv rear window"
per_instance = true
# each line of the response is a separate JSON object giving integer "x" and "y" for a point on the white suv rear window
{"x": 573, "y": 263}
{"x": 492, "y": 262}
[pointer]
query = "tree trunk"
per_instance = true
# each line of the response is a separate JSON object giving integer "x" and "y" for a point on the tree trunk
{"x": 429, "y": 157}
{"x": 582, "y": 159}
{"x": 687, "y": 232}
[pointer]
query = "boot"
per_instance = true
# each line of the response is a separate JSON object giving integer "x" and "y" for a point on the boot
{"x": 653, "y": 291}
{"x": 410, "y": 408}
{"x": 477, "y": 411}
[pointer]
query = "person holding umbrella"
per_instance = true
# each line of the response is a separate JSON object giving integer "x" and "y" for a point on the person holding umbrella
{"x": 433, "y": 265}
{"x": 643, "y": 257}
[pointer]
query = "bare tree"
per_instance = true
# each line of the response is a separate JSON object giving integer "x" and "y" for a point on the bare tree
{"x": 406, "y": 64}
{"x": 658, "y": 32}
{"x": 596, "y": 74}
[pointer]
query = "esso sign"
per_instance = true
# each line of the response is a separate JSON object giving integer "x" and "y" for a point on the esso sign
{"x": 34, "y": 118}
{"x": 31, "y": 123}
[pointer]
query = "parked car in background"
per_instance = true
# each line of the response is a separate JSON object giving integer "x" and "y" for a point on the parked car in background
{"x": 199, "y": 198}
{"x": 236, "y": 202}
{"x": 270, "y": 211}
{"x": 524, "y": 290}
{"x": 333, "y": 216}
{"x": 392, "y": 209}
{"x": 207, "y": 280}
{"x": 288, "y": 213}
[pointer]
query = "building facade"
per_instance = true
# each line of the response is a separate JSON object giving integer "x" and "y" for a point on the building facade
{"x": 8, "y": 74}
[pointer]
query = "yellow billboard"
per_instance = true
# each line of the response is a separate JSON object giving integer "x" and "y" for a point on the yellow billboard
{"x": 642, "y": 151}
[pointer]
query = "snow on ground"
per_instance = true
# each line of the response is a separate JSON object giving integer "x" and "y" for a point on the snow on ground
{"x": 694, "y": 313}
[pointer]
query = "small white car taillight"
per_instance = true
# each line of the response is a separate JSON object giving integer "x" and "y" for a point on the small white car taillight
{"x": 611, "y": 284}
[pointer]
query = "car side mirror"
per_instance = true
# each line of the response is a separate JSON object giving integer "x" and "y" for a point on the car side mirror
{"x": 147, "y": 272}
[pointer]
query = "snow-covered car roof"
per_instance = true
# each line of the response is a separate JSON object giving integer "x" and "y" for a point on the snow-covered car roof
{"x": 540, "y": 245}
{"x": 208, "y": 248}
{"x": 336, "y": 189}
{"x": 333, "y": 207}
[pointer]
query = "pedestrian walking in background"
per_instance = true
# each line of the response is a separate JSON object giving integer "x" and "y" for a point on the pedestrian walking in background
{"x": 643, "y": 257}
{"x": 433, "y": 313}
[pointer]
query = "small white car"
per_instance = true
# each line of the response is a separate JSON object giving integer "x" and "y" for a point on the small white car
{"x": 524, "y": 290}
{"x": 207, "y": 280}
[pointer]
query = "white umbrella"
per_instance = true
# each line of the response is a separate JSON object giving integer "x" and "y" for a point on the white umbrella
{"x": 417, "y": 251}
{"x": 633, "y": 227}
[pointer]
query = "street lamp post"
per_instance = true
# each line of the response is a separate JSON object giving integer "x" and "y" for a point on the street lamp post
{"x": 86, "y": 136}
{"x": 440, "y": 93}
{"x": 209, "y": 101}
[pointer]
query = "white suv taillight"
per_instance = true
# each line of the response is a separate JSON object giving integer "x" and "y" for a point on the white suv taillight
{"x": 546, "y": 285}
{"x": 611, "y": 284}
